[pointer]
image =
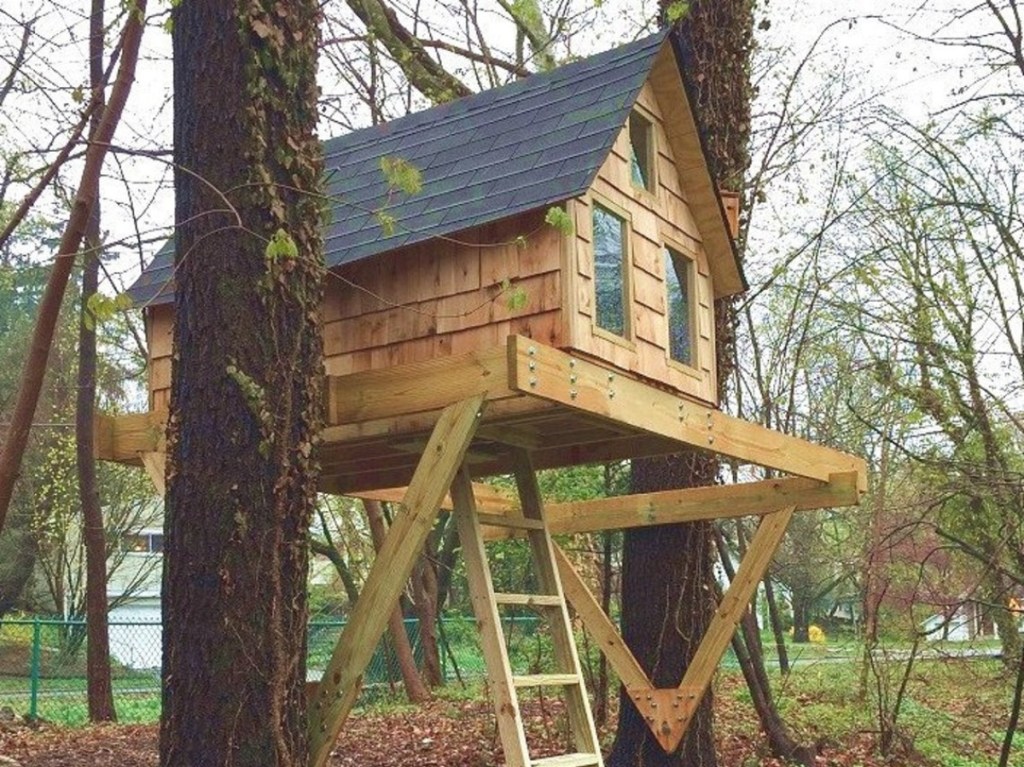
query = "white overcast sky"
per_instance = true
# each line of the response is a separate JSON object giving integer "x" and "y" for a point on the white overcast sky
{"x": 857, "y": 40}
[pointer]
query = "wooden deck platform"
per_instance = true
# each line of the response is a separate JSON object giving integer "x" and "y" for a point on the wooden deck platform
{"x": 565, "y": 410}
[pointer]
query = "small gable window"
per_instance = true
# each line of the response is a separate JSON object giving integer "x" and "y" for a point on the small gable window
{"x": 610, "y": 250}
{"x": 641, "y": 150}
{"x": 679, "y": 281}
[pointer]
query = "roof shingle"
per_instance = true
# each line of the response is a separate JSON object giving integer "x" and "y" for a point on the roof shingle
{"x": 532, "y": 143}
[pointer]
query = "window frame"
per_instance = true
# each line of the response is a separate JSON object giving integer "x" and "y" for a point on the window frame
{"x": 671, "y": 249}
{"x": 626, "y": 339}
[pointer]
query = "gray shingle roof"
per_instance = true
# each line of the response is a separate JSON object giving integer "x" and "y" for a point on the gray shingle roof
{"x": 529, "y": 144}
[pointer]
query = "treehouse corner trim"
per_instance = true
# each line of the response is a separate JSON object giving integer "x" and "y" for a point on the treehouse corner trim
{"x": 407, "y": 433}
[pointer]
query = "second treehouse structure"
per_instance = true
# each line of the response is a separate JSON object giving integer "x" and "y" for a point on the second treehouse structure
{"x": 466, "y": 336}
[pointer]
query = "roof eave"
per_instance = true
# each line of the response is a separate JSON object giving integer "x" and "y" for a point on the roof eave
{"x": 698, "y": 185}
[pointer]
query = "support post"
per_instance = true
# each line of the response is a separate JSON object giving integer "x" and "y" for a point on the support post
{"x": 338, "y": 688}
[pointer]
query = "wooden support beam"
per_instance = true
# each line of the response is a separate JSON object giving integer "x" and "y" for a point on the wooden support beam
{"x": 155, "y": 465}
{"x": 124, "y": 438}
{"x": 599, "y": 625}
{"x": 545, "y": 372}
{"x": 702, "y": 503}
{"x": 417, "y": 387}
{"x": 487, "y": 497}
{"x": 684, "y": 701}
{"x": 434, "y": 474}
{"x": 691, "y": 505}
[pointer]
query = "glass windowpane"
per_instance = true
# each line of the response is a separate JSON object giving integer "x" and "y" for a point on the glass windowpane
{"x": 679, "y": 284}
{"x": 640, "y": 151}
{"x": 609, "y": 250}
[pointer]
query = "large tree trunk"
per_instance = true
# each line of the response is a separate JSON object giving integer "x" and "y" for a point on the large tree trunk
{"x": 100, "y": 689}
{"x": 664, "y": 625}
{"x": 666, "y": 608}
{"x": 246, "y": 385}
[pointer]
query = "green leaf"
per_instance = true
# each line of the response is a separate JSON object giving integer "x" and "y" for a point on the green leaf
{"x": 676, "y": 11}
{"x": 515, "y": 296}
{"x": 387, "y": 222}
{"x": 101, "y": 308}
{"x": 401, "y": 174}
{"x": 281, "y": 245}
{"x": 560, "y": 220}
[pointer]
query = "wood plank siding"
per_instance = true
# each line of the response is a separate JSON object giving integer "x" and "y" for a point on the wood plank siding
{"x": 445, "y": 297}
{"x": 654, "y": 220}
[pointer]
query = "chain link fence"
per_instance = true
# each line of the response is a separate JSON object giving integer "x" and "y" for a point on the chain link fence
{"x": 43, "y": 662}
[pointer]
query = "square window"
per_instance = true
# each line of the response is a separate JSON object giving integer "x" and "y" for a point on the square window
{"x": 679, "y": 283}
{"x": 641, "y": 151}
{"x": 609, "y": 271}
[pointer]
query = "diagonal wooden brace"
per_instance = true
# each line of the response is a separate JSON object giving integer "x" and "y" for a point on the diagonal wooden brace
{"x": 155, "y": 464}
{"x": 442, "y": 457}
{"x": 668, "y": 712}
{"x": 723, "y": 625}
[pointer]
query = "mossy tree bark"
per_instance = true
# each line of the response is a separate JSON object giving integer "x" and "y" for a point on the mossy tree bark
{"x": 667, "y": 579}
{"x": 246, "y": 383}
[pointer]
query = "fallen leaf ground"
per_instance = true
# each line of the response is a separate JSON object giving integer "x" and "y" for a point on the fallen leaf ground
{"x": 461, "y": 733}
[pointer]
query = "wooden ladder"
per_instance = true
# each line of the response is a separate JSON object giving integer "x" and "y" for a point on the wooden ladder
{"x": 550, "y": 602}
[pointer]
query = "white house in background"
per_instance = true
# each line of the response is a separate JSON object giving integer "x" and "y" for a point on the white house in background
{"x": 134, "y": 590}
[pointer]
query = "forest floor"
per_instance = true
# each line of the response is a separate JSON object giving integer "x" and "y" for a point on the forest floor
{"x": 953, "y": 715}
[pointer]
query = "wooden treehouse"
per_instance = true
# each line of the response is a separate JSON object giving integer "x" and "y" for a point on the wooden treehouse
{"x": 437, "y": 378}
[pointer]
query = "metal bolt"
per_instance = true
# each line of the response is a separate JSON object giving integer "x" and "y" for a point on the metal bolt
{"x": 572, "y": 363}
{"x": 572, "y": 393}
{"x": 572, "y": 378}
{"x": 611, "y": 377}
{"x": 533, "y": 365}
{"x": 533, "y": 381}
{"x": 711, "y": 439}
{"x": 531, "y": 350}
{"x": 611, "y": 394}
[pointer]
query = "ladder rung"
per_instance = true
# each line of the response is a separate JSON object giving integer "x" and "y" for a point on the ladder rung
{"x": 528, "y": 600}
{"x": 516, "y": 523}
{"x": 546, "y": 680}
{"x": 568, "y": 760}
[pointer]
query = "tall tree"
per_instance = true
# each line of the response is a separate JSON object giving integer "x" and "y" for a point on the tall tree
{"x": 664, "y": 626}
{"x": 34, "y": 367}
{"x": 246, "y": 382}
{"x": 100, "y": 689}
